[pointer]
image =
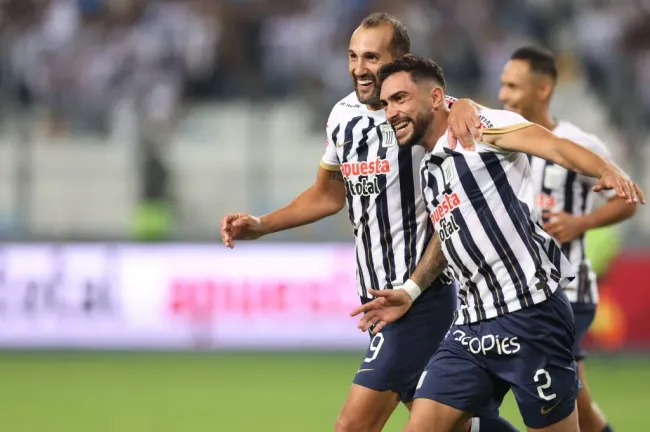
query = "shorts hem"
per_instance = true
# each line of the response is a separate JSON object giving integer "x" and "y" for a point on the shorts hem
{"x": 378, "y": 388}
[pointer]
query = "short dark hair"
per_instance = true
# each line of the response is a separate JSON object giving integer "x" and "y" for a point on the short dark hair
{"x": 400, "y": 44}
{"x": 419, "y": 68}
{"x": 541, "y": 61}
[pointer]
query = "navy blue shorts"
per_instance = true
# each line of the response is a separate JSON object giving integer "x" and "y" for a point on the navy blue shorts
{"x": 528, "y": 351}
{"x": 584, "y": 314}
{"x": 398, "y": 354}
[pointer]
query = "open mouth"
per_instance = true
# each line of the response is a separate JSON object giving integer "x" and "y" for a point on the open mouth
{"x": 402, "y": 124}
{"x": 365, "y": 84}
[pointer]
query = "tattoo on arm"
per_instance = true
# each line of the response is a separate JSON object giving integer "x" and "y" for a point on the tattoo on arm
{"x": 336, "y": 175}
{"x": 432, "y": 264}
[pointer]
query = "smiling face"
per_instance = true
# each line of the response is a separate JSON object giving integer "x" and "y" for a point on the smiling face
{"x": 409, "y": 106}
{"x": 369, "y": 50}
{"x": 522, "y": 90}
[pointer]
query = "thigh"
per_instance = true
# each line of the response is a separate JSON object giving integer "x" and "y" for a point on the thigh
{"x": 542, "y": 370}
{"x": 457, "y": 378}
{"x": 584, "y": 315}
{"x": 429, "y": 415}
{"x": 397, "y": 355}
{"x": 366, "y": 410}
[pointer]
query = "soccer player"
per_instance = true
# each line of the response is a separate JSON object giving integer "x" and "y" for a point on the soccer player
{"x": 380, "y": 181}
{"x": 514, "y": 327}
{"x": 564, "y": 198}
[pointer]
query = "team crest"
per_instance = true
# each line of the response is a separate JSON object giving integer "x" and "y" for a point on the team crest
{"x": 448, "y": 170}
{"x": 388, "y": 138}
{"x": 554, "y": 177}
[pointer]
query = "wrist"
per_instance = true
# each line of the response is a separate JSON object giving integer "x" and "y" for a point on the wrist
{"x": 264, "y": 226}
{"x": 412, "y": 289}
{"x": 586, "y": 223}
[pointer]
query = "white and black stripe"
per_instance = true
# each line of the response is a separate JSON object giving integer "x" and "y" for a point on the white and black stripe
{"x": 480, "y": 206}
{"x": 557, "y": 189}
{"x": 390, "y": 224}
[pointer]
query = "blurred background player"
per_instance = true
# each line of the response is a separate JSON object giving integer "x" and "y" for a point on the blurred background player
{"x": 511, "y": 271}
{"x": 380, "y": 181}
{"x": 564, "y": 198}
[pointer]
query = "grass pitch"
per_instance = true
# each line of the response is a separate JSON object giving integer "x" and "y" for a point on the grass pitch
{"x": 239, "y": 392}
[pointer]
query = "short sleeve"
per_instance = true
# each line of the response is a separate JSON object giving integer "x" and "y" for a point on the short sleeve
{"x": 501, "y": 121}
{"x": 330, "y": 160}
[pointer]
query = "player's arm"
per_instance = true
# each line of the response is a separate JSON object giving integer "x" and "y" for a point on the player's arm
{"x": 566, "y": 227}
{"x": 324, "y": 198}
{"x": 537, "y": 141}
{"x": 390, "y": 305}
{"x": 431, "y": 265}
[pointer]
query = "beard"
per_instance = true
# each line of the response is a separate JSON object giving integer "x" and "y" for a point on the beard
{"x": 366, "y": 97}
{"x": 419, "y": 125}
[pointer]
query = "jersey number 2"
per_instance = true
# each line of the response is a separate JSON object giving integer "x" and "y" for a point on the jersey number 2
{"x": 543, "y": 375}
{"x": 375, "y": 345}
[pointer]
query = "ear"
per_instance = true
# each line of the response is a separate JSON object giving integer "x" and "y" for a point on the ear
{"x": 436, "y": 97}
{"x": 545, "y": 90}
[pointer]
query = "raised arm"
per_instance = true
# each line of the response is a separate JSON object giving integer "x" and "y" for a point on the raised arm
{"x": 537, "y": 141}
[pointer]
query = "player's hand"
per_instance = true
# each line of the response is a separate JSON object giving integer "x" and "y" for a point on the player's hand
{"x": 464, "y": 124}
{"x": 565, "y": 227}
{"x": 613, "y": 178}
{"x": 240, "y": 226}
{"x": 388, "y": 306}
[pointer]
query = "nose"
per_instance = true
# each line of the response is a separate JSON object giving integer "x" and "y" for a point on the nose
{"x": 360, "y": 68}
{"x": 391, "y": 113}
{"x": 503, "y": 95}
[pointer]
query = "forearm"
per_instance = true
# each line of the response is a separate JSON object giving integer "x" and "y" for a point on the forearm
{"x": 614, "y": 211}
{"x": 432, "y": 264}
{"x": 576, "y": 158}
{"x": 310, "y": 206}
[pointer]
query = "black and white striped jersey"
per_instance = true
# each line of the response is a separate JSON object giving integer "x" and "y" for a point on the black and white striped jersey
{"x": 558, "y": 189}
{"x": 384, "y": 196}
{"x": 481, "y": 205}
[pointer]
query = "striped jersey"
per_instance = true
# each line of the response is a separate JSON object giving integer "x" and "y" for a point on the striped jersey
{"x": 384, "y": 198}
{"x": 558, "y": 189}
{"x": 480, "y": 204}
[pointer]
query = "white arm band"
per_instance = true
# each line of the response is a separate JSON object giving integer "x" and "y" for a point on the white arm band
{"x": 412, "y": 289}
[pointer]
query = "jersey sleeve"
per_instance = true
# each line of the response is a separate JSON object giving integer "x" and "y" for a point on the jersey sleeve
{"x": 597, "y": 146}
{"x": 501, "y": 121}
{"x": 330, "y": 160}
{"x": 498, "y": 122}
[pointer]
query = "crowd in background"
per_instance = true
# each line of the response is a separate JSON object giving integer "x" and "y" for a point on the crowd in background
{"x": 80, "y": 60}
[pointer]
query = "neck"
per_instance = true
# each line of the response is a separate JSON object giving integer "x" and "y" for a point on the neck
{"x": 374, "y": 107}
{"x": 437, "y": 129}
{"x": 545, "y": 119}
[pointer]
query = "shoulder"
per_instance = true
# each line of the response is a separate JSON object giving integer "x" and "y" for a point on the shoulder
{"x": 347, "y": 106}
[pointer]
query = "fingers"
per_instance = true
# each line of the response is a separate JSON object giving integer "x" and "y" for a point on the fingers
{"x": 226, "y": 230}
{"x": 242, "y": 221}
{"x": 380, "y": 293}
{"x": 379, "y": 327}
{"x": 368, "y": 320}
{"x": 452, "y": 140}
{"x": 362, "y": 309}
{"x": 639, "y": 193}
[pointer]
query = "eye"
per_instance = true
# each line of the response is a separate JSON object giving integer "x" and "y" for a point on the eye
{"x": 352, "y": 56}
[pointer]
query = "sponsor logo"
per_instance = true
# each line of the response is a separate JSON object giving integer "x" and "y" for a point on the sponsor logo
{"x": 546, "y": 202}
{"x": 544, "y": 411}
{"x": 447, "y": 228}
{"x": 339, "y": 145}
{"x": 485, "y": 123}
{"x": 348, "y": 105}
{"x": 449, "y": 203}
{"x": 365, "y": 168}
{"x": 364, "y": 187}
{"x": 488, "y": 344}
